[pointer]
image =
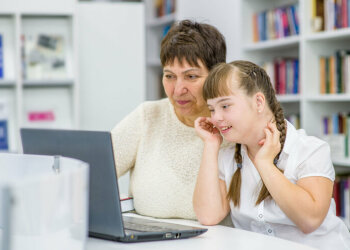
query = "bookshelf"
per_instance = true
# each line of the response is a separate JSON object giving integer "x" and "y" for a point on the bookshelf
{"x": 309, "y": 45}
{"x": 40, "y": 81}
{"x": 156, "y": 26}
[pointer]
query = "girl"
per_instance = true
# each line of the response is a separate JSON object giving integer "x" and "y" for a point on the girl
{"x": 275, "y": 180}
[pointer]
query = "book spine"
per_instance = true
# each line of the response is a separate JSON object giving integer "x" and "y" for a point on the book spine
{"x": 1, "y": 57}
{"x": 336, "y": 195}
{"x": 4, "y": 141}
{"x": 296, "y": 76}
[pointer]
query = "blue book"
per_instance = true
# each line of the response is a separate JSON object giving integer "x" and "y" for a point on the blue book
{"x": 296, "y": 77}
{"x": 342, "y": 198}
{"x": 295, "y": 19}
{"x": 1, "y": 58}
{"x": 4, "y": 142}
{"x": 335, "y": 124}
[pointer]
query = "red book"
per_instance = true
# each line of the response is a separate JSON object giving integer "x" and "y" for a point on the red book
{"x": 282, "y": 77}
{"x": 344, "y": 13}
{"x": 336, "y": 195}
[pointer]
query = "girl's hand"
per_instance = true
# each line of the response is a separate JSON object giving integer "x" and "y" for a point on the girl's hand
{"x": 271, "y": 145}
{"x": 206, "y": 131}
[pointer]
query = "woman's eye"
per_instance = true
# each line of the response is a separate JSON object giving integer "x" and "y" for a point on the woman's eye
{"x": 192, "y": 77}
{"x": 225, "y": 106}
{"x": 168, "y": 76}
{"x": 211, "y": 110}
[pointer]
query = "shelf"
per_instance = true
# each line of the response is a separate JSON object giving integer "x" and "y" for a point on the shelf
{"x": 48, "y": 83}
{"x": 288, "y": 98}
{"x": 7, "y": 83}
{"x": 160, "y": 21}
{"x": 329, "y": 98}
{"x": 292, "y": 41}
{"x": 329, "y": 35}
{"x": 45, "y": 14}
{"x": 344, "y": 162}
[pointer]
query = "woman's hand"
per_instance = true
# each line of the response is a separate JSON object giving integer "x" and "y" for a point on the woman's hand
{"x": 271, "y": 145}
{"x": 206, "y": 130}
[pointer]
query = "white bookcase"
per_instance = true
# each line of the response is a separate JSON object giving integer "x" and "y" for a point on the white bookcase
{"x": 41, "y": 95}
{"x": 308, "y": 46}
{"x": 154, "y": 33}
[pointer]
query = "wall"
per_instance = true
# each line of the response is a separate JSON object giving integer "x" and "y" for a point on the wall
{"x": 112, "y": 60}
{"x": 223, "y": 14}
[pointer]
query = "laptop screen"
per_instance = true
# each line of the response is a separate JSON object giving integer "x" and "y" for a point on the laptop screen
{"x": 95, "y": 148}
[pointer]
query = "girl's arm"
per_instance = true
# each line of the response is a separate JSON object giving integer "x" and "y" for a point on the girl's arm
{"x": 307, "y": 202}
{"x": 209, "y": 197}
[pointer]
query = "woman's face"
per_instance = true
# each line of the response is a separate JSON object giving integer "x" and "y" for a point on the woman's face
{"x": 183, "y": 85}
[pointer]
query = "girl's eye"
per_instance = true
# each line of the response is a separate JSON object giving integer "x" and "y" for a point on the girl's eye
{"x": 225, "y": 106}
{"x": 211, "y": 110}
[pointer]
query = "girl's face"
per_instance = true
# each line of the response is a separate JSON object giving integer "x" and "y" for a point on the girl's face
{"x": 234, "y": 115}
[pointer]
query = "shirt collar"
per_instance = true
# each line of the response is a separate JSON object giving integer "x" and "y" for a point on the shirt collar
{"x": 291, "y": 137}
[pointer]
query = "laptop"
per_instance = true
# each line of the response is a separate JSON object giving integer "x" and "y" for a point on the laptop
{"x": 105, "y": 218}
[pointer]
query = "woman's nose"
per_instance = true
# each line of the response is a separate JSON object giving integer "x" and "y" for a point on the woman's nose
{"x": 180, "y": 88}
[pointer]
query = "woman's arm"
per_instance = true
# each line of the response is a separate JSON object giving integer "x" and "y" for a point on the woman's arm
{"x": 307, "y": 202}
{"x": 126, "y": 136}
{"x": 209, "y": 197}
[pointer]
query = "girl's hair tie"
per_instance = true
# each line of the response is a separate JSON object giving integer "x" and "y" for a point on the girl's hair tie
{"x": 239, "y": 165}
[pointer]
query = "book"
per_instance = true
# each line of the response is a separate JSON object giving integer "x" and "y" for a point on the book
{"x": 1, "y": 57}
{"x": 126, "y": 203}
{"x": 44, "y": 57}
{"x": 4, "y": 129}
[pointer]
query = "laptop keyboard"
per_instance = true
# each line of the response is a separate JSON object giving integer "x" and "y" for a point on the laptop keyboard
{"x": 144, "y": 227}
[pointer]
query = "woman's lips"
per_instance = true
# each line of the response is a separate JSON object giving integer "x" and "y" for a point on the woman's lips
{"x": 182, "y": 102}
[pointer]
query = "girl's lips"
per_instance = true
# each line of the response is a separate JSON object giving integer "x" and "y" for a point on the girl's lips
{"x": 182, "y": 102}
{"x": 223, "y": 131}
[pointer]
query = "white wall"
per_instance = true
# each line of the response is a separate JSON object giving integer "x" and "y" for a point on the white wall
{"x": 111, "y": 64}
{"x": 223, "y": 14}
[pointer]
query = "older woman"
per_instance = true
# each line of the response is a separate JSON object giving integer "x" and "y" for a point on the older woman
{"x": 157, "y": 142}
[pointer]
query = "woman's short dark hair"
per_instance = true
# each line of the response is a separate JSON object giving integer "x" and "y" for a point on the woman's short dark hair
{"x": 192, "y": 41}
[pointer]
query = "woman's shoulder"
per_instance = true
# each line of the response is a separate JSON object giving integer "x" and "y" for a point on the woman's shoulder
{"x": 155, "y": 108}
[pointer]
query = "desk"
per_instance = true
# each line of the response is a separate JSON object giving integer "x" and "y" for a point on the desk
{"x": 217, "y": 237}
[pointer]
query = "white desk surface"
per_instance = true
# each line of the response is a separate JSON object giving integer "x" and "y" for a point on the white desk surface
{"x": 217, "y": 237}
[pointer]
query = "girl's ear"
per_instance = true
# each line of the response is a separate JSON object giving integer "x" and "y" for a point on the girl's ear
{"x": 259, "y": 99}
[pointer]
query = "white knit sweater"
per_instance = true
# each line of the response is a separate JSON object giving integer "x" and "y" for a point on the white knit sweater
{"x": 164, "y": 157}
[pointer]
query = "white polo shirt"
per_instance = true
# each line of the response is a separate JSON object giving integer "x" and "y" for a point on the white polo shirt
{"x": 302, "y": 156}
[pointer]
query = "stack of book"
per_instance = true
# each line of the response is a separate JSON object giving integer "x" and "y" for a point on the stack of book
{"x": 284, "y": 75}
{"x": 276, "y": 23}
{"x": 330, "y": 14}
{"x": 336, "y": 130}
{"x": 164, "y": 7}
{"x": 335, "y": 73}
{"x": 294, "y": 119}
{"x": 341, "y": 195}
